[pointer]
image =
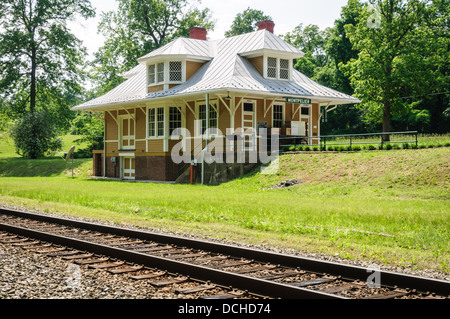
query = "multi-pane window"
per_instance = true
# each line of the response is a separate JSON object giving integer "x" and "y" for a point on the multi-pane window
{"x": 174, "y": 119}
{"x": 156, "y": 73}
{"x": 156, "y": 122}
{"x": 278, "y": 68}
{"x": 160, "y": 72}
{"x": 272, "y": 68}
{"x": 284, "y": 69}
{"x": 160, "y": 121}
{"x": 305, "y": 111}
{"x": 151, "y": 122}
{"x": 278, "y": 116}
{"x": 151, "y": 74}
{"x": 165, "y": 72}
{"x": 213, "y": 121}
{"x": 175, "y": 71}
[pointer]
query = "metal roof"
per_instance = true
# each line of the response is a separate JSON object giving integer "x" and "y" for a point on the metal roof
{"x": 229, "y": 70}
{"x": 182, "y": 46}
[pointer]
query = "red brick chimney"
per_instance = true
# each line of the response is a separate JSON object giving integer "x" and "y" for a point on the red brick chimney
{"x": 198, "y": 33}
{"x": 267, "y": 25}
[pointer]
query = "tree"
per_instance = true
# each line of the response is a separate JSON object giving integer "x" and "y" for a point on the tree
{"x": 34, "y": 135}
{"x": 348, "y": 118}
{"x": 137, "y": 28}
{"x": 39, "y": 58}
{"x": 395, "y": 59}
{"x": 338, "y": 45}
{"x": 325, "y": 51}
{"x": 311, "y": 41}
{"x": 246, "y": 22}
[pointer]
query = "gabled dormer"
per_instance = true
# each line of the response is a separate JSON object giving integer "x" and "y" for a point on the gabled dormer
{"x": 174, "y": 63}
{"x": 270, "y": 55}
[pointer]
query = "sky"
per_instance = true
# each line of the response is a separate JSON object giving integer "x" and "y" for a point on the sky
{"x": 287, "y": 14}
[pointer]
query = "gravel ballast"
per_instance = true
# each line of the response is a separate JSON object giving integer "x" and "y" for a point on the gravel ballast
{"x": 28, "y": 275}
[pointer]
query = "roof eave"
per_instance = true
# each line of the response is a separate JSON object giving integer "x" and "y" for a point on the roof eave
{"x": 261, "y": 52}
{"x": 194, "y": 58}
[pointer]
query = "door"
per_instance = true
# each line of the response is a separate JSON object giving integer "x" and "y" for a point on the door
{"x": 128, "y": 171}
{"x": 127, "y": 133}
{"x": 249, "y": 125}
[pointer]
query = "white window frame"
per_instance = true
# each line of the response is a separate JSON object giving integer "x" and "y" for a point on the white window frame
{"x": 166, "y": 73}
{"x": 169, "y": 119}
{"x": 278, "y": 68}
{"x": 197, "y": 111}
{"x": 156, "y": 136}
{"x": 283, "y": 110}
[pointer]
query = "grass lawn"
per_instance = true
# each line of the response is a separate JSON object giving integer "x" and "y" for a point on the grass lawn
{"x": 389, "y": 207}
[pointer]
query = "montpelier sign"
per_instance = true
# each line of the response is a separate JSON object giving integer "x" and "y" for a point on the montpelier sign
{"x": 297, "y": 100}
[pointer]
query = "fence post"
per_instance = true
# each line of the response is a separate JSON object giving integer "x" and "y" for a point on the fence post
{"x": 417, "y": 144}
{"x": 350, "y": 141}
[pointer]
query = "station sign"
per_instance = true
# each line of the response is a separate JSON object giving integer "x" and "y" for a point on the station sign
{"x": 298, "y": 100}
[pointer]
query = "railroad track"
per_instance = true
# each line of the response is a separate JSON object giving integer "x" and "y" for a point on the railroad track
{"x": 208, "y": 270}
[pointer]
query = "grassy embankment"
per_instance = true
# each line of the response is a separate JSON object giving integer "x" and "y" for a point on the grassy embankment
{"x": 389, "y": 207}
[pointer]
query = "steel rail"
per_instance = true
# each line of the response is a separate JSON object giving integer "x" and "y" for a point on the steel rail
{"x": 250, "y": 284}
{"x": 387, "y": 278}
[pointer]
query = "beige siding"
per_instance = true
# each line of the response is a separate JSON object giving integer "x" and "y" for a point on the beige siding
{"x": 224, "y": 118}
{"x": 141, "y": 124}
{"x": 112, "y": 130}
{"x": 258, "y": 63}
{"x": 156, "y": 146}
{"x": 155, "y": 88}
{"x": 191, "y": 68}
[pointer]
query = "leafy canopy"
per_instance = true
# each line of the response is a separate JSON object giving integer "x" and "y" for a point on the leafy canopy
{"x": 40, "y": 59}
{"x": 137, "y": 28}
{"x": 246, "y": 21}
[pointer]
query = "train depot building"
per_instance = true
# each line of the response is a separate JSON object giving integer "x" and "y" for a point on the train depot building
{"x": 249, "y": 83}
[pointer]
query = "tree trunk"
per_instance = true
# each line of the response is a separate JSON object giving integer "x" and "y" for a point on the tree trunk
{"x": 33, "y": 80}
{"x": 387, "y": 121}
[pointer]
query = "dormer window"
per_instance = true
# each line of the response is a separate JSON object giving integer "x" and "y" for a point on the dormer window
{"x": 152, "y": 74}
{"x": 175, "y": 71}
{"x": 165, "y": 73}
{"x": 272, "y": 68}
{"x": 284, "y": 69}
{"x": 277, "y": 68}
{"x": 160, "y": 72}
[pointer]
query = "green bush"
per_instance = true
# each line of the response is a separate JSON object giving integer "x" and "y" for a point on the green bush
{"x": 356, "y": 148}
{"x": 34, "y": 135}
{"x": 388, "y": 146}
{"x": 330, "y": 148}
{"x": 372, "y": 147}
{"x": 315, "y": 148}
{"x": 307, "y": 148}
{"x": 292, "y": 148}
{"x": 405, "y": 146}
{"x": 299, "y": 148}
